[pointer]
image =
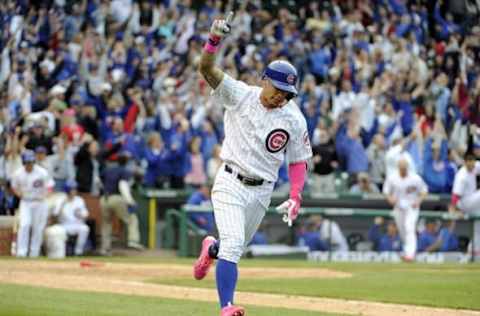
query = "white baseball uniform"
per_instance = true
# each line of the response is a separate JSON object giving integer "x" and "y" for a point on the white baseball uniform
{"x": 465, "y": 186}
{"x": 72, "y": 213}
{"x": 34, "y": 187}
{"x": 257, "y": 140}
{"x": 407, "y": 191}
{"x": 330, "y": 231}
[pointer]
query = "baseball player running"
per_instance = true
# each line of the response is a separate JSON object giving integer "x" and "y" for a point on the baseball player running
{"x": 405, "y": 191}
{"x": 31, "y": 183}
{"x": 263, "y": 126}
{"x": 465, "y": 196}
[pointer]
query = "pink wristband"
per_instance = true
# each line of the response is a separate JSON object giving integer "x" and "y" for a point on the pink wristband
{"x": 209, "y": 48}
{"x": 297, "y": 173}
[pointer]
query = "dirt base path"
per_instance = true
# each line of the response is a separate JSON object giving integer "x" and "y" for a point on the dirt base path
{"x": 129, "y": 279}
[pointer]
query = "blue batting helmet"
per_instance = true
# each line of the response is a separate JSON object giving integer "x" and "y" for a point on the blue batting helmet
{"x": 28, "y": 156}
{"x": 69, "y": 186}
{"x": 283, "y": 75}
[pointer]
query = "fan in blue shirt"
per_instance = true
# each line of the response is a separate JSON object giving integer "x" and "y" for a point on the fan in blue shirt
{"x": 203, "y": 220}
{"x": 428, "y": 237}
{"x": 391, "y": 240}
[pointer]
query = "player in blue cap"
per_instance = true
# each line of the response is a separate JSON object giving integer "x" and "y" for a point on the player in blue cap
{"x": 263, "y": 129}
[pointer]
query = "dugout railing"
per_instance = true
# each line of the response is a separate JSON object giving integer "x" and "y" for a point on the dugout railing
{"x": 154, "y": 204}
{"x": 180, "y": 232}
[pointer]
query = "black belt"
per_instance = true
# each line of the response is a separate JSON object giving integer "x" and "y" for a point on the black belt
{"x": 243, "y": 179}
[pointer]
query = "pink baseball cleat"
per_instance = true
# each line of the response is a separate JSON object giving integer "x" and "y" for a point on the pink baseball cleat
{"x": 204, "y": 261}
{"x": 232, "y": 310}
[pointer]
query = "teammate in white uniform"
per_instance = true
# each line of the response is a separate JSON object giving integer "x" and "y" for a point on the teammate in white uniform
{"x": 31, "y": 184}
{"x": 263, "y": 126}
{"x": 72, "y": 213}
{"x": 405, "y": 191}
{"x": 465, "y": 196}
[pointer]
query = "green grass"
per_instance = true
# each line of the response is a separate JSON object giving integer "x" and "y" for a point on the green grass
{"x": 445, "y": 285}
{"x": 34, "y": 301}
{"x": 452, "y": 286}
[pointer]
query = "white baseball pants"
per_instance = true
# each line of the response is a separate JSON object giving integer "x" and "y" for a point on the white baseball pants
{"x": 471, "y": 205}
{"x": 81, "y": 230}
{"x": 32, "y": 215}
{"x": 406, "y": 221}
{"x": 239, "y": 210}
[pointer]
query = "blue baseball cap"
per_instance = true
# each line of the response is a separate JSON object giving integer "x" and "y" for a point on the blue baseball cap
{"x": 70, "y": 185}
{"x": 28, "y": 156}
{"x": 40, "y": 150}
{"x": 283, "y": 75}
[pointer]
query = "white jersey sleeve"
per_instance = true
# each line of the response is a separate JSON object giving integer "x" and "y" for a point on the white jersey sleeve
{"x": 387, "y": 186}
{"x": 230, "y": 92}
{"x": 422, "y": 186}
{"x": 49, "y": 182}
{"x": 82, "y": 208}
{"x": 477, "y": 168}
{"x": 299, "y": 148}
{"x": 460, "y": 182}
{"x": 59, "y": 205}
{"x": 73, "y": 211}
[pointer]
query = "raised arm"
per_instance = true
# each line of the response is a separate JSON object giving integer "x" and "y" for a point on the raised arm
{"x": 213, "y": 74}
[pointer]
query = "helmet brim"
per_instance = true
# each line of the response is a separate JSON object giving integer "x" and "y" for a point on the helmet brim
{"x": 284, "y": 86}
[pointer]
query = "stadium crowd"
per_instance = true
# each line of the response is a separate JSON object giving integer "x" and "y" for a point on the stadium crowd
{"x": 84, "y": 83}
{"x": 379, "y": 79}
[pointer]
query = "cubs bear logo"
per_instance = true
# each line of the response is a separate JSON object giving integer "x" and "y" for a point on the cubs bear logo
{"x": 411, "y": 189}
{"x": 277, "y": 140}
{"x": 38, "y": 183}
{"x": 291, "y": 79}
{"x": 306, "y": 139}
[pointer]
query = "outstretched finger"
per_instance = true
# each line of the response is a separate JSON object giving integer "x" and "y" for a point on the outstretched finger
{"x": 229, "y": 18}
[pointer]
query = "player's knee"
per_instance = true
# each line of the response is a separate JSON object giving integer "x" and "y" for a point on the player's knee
{"x": 55, "y": 232}
{"x": 409, "y": 231}
{"x": 231, "y": 249}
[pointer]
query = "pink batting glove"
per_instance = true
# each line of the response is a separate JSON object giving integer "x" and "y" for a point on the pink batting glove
{"x": 290, "y": 209}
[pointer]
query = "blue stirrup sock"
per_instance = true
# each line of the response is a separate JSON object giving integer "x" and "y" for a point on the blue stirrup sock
{"x": 226, "y": 275}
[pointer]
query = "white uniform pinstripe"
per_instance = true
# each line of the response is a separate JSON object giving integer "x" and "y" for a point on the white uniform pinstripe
{"x": 465, "y": 186}
{"x": 33, "y": 207}
{"x": 407, "y": 191}
{"x": 257, "y": 140}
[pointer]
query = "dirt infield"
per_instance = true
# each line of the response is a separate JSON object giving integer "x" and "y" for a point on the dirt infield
{"x": 130, "y": 279}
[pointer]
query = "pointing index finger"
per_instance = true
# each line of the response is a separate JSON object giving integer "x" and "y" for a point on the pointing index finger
{"x": 229, "y": 18}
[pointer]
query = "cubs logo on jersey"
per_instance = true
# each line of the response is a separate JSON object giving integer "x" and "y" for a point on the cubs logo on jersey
{"x": 291, "y": 79}
{"x": 306, "y": 139}
{"x": 38, "y": 183}
{"x": 411, "y": 189}
{"x": 277, "y": 140}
